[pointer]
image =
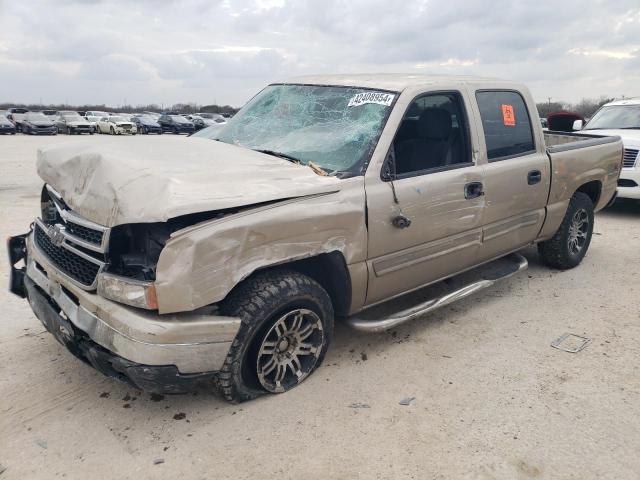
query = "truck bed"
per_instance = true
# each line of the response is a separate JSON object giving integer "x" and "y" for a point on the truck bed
{"x": 580, "y": 160}
{"x": 559, "y": 141}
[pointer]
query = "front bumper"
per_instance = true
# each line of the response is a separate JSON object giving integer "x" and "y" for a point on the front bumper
{"x": 125, "y": 131}
{"x": 42, "y": 131}
{"x": 162, "y": 353}
{"x": 80, "y": 128}
{"x": 630, "y": 177}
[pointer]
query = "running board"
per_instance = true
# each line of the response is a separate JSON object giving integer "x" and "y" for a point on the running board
{"x": 516, "y": 263}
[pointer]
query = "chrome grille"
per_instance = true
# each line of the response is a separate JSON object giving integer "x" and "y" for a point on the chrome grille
{"x": 75, "y": 246}
{"x": 629, "y": 157}
{"x": 72, "y": 265}
{"x": 84, "y": 233}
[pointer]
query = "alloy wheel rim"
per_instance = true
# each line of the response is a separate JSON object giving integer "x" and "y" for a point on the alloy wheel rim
{"x": 578, "y": 231}
{"x": 290, "y": 350}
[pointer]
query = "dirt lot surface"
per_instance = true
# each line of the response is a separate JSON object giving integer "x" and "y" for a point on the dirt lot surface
{"x": 492, "y": 398}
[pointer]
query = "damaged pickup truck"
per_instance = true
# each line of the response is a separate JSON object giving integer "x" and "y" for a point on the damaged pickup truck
{"x": 177, "y": 261}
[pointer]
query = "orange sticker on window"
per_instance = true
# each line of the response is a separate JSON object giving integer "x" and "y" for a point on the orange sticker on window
{"x": 508, "y": 117}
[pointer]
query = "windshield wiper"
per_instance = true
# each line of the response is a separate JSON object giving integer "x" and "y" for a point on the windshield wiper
{"x": 291, "y": 158}
{"x": 316, "y": 168}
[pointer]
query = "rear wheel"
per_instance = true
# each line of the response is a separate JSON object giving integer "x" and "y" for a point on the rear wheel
{"x": 569, "y": 245}
{"x": 287, "y": 325}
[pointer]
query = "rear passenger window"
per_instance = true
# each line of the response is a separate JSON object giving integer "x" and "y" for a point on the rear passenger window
{"x": 506, "y": 124}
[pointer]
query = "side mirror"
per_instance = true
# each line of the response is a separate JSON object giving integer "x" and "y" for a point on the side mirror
{"x": 577, "y": 125}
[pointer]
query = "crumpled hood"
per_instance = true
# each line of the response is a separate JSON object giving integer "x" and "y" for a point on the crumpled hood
{"x": 143, "y": 180}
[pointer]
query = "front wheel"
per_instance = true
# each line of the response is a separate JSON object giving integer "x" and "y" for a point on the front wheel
{"x": 287, "y": 325}
{"x": 569, "y": 245}
{"x": 113, "y": 131}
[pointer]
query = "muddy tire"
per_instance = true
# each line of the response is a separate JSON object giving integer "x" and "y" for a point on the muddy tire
{"x": 569, "y": 245}
{"x": 287, "y": 325}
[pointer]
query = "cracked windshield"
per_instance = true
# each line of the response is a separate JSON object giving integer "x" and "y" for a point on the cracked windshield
{"x": 334, "y": 128}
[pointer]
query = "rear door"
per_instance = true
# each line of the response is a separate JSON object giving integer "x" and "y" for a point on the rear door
{"x": 424, "y": 212}
{"x": 516, "y": 172}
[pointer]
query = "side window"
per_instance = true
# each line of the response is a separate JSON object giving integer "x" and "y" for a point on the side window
{"x": 506, "y": 124}
{"x": 432, "y": 135}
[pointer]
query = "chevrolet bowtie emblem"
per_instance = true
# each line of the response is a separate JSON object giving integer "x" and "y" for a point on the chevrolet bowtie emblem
{"x": 56, "y": 235}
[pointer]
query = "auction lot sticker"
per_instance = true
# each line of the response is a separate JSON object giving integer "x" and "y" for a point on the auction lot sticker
{"x": 508, "y": 117}
{"x": 381, "y": 98}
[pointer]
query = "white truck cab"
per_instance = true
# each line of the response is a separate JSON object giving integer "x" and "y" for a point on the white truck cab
{"x": 622, "y": 118}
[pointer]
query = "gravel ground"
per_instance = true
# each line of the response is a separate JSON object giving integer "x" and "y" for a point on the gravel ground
{"x": 492, "y": 398}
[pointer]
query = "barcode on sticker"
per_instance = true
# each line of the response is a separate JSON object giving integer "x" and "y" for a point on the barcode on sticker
{"x": 379, "y": 98}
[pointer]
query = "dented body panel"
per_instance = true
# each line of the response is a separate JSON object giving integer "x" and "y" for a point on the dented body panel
{"x": 169, "y": 177}
{"x": 202, "y": 264}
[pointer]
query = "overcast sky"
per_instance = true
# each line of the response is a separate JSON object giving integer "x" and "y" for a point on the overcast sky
{"x": 206, "y": 51}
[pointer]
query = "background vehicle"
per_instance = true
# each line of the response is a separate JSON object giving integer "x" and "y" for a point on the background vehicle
{"x": 199, "y": 122}
{"x": 6, "y": 126}
{"x": 175, "y": 124}
{"x": 319, "y": 200}
{"x": 16, "y": 115}
{"x": 216, "y": 117}
{"x": 50, "y": 113}
{"x": 622, "y": 118}
{"x": 146, "y": 124}
{"x": 36, "y": 123}
{"x": 72, "y": 123}
{"x": 563, "y": 121}
{"x": 93, "y": 117}
{"x": 115, "y": 125}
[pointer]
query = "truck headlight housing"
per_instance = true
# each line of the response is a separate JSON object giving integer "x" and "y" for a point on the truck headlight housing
{"x": 137, "y": 293}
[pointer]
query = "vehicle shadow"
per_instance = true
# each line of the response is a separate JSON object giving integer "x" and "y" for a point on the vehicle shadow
{"x": 622, "y": 209}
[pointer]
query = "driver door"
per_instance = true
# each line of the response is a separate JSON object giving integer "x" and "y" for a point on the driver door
{"x": 425, "y": 208}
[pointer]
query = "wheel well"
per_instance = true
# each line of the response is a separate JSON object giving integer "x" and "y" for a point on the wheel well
{"x": 592, "y": 190}
{"x": 331, "y": 272}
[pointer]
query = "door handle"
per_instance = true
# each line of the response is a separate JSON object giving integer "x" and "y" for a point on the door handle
{"x": 473, "y": 190}
{"x": 534, "y": 176}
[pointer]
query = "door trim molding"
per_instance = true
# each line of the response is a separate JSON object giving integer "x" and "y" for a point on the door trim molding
{"x": 426, "y": 252}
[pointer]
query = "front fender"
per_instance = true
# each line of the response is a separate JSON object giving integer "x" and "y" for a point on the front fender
{"x": 200, "y": 265}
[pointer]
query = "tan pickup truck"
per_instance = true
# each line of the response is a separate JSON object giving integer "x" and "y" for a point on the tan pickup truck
{"x": 171, "y": 261}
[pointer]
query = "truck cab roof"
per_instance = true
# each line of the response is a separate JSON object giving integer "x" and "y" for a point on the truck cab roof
{"x": 395, "y": 81}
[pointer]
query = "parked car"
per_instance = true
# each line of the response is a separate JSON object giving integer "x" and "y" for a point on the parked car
{"x": 50, "y": 113}
{"x": 146, "y": 124}
{"x": 93, "y": 116}
{"x": 72, "y": 123}
{"x": 563, "y": 121}
{"x": 16, "y": 115}
{"x": 622, "y": 118}
{"x": 36, "y": 123}
{"x": 228, "y": 260}
{"x": 175, "y": 124}
{"x": 198, "y": 122}
{"x": 6, "y": 126}
{"x": 115, "y": 125}
{"x": 216, "y": 117}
